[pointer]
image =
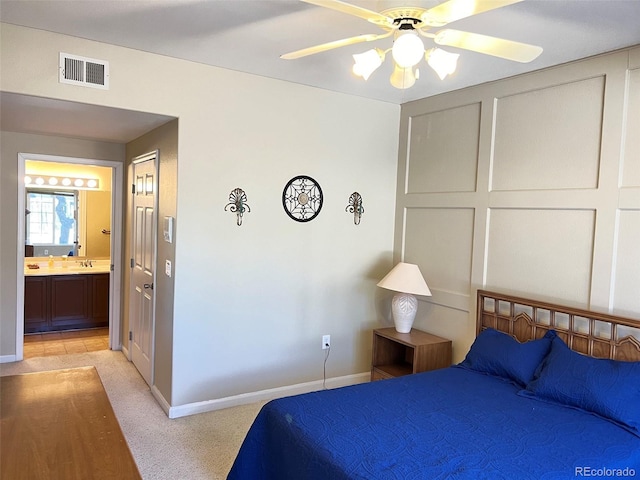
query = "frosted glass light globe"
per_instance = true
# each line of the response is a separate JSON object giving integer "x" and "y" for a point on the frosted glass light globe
{"x": 402, "y": 78}
{"x": 407, "y": 50}
{"x": 367, "y": 62}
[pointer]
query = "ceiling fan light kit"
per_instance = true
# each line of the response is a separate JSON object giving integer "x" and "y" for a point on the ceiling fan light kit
{"x": 408, "y": 49}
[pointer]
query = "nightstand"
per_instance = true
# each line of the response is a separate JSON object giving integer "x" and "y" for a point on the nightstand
{"x": 396, "y": 354}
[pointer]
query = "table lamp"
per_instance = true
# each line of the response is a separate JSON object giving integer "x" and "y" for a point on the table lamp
{"x": 406, "y": 279}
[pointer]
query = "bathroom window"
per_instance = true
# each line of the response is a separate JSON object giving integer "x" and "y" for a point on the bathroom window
{"x": 51, "y": 218}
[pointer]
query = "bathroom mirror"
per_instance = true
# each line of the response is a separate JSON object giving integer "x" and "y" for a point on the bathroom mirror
{"x": 63, "y": 220}
{"x": 51, "y": 222}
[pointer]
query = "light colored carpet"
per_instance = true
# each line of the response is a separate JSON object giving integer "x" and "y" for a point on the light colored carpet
{"x": 200, "y": 446}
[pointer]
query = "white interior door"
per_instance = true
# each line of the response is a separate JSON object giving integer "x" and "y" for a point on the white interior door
{"x": 142, "y": 304}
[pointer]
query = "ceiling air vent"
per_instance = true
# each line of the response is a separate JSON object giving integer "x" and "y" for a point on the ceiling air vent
{"x": 84, "y": 71}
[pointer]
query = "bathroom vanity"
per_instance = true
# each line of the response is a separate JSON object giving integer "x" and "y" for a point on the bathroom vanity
{"x": 66, "y": 298}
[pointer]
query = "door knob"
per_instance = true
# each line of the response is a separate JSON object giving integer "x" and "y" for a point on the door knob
{"x": 148, "y": 285}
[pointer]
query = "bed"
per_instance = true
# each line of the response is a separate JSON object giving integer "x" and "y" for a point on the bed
{"x": 545, "y": 392}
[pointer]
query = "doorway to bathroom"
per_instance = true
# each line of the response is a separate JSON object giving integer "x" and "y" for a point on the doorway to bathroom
{"x": 69, "y": 271}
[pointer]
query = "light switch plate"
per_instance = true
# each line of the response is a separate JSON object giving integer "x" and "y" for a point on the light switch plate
{"x": 167, "y": 229}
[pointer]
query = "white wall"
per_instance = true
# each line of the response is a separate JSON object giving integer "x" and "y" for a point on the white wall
{"x": 251, "y": 302}
{"x": 527, "y": 185}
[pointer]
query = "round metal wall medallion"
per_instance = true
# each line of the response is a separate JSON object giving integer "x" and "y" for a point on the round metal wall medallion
{"x": 302, "y": 198}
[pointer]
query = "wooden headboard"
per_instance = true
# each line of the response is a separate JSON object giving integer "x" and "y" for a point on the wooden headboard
{"x": 595, "y": 334}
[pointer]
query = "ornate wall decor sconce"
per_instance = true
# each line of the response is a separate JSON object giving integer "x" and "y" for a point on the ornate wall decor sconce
{"x": 238, "y": 204}
{"x": 355, "y": 207}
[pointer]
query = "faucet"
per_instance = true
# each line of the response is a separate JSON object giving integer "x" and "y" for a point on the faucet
{"x": 86, "y": 263}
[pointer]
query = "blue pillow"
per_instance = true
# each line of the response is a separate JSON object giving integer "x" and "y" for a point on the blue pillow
{"x": 608, "y": 388}
{"x": 496, "y": 353}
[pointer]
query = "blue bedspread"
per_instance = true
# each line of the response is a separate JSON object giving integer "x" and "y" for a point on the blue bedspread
{"x": 450, "y": 423}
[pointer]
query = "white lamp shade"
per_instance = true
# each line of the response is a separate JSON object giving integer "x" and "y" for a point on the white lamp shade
{"x": 405, "y": 278}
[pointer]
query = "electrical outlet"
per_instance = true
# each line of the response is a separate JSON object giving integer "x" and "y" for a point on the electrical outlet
{"x": 326, "y": 341}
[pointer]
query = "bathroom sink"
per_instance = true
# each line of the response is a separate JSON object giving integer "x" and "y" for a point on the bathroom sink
{"x": 79, "y": 269}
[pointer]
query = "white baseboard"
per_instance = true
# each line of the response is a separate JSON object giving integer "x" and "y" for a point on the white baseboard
{"x": 7, "y": 358}
{"x": 125, "y": 350}
{"x": 161, "y": 400}
{"x": 259, "y": 396}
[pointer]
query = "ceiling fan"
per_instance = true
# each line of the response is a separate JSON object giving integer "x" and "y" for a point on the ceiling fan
{"x": 407, "y": 25}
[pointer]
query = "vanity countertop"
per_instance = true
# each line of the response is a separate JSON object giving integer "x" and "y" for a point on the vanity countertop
{"x": 64, "y": 267}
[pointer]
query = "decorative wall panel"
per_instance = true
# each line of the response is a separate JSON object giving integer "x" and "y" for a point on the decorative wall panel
{"x": 549, "y": 138}
{"x": 631, "y": 166}
{"x": 443, "y": 150}
{"x": 627, "y": 269}
{"x": 439, "y": 240}
{"x": 553, "y": 189}
{"x": 541, "y": 252}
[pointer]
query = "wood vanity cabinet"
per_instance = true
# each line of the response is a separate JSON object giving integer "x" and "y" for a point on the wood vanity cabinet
{"x": 66, "y": 302}
{"x": 36, "y": 304}
{"x": 100, "y": 299}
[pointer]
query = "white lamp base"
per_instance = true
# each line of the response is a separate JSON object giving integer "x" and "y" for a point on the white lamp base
{"x": 404, "y": 307}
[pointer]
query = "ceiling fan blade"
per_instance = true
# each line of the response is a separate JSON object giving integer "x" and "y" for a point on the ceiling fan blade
{"x": 370, "y": 15}
{"x": 335, "y": 44}
{"x": 498, "y": 47}
{"x": 453, "y": 10}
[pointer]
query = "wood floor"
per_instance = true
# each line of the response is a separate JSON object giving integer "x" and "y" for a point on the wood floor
{"x": 60, "y": 425}
{"x": 62, "y": 343}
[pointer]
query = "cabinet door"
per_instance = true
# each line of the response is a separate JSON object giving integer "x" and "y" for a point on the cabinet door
{"x": 36, "y": 304}
{"x": 100, "y": 300}
{"x": 70, "y": 300}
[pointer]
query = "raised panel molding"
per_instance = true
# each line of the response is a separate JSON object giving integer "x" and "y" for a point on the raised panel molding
{"x": 443, "y": 150}
{"x": 440, "y": 241}
{"x": 634, "y": 57}
{"x": 548, "y": 252}
{"x": 549, "y": 138}
{"x": 556, "y": 208}
{"x": 631, "y": 162}
{"x": 627, "y": 268}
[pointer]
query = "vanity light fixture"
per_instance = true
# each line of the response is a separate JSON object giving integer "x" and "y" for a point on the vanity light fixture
{"x": 238, "y": 204}
{"x": 58, "y": 181}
